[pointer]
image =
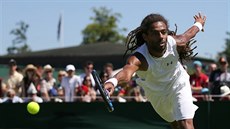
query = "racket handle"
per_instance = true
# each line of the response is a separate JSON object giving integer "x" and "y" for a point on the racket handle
{"x": 110, "y": 105}
{"x": 110, "y": 108}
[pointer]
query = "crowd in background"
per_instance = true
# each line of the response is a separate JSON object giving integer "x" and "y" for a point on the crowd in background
{"x": 38, "y": 83}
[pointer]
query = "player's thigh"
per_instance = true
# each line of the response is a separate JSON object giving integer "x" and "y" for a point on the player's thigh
{"x": 163, "y": 106}
{"x": 183, "y": 104}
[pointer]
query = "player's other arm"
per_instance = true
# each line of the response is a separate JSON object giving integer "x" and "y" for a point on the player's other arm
{"x": 184, "y": 38}
{"x": 133, "y": 64}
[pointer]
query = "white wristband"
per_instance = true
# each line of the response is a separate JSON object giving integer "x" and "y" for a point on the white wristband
{"x": 113, "y": 80}
{"x": 199, "y": 25}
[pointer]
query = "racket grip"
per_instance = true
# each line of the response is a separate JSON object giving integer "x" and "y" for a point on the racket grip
{"x": 110, "y": 108}
{"x": 110, "y": 105}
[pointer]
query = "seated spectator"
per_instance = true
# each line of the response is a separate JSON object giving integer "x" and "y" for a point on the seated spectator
{"x": 199, "y": 82}
{"x": 58, "y": 87}
{"x": 211, "y": 67}
{"x": 60, "y": 75}
{"x": 103, "y": 76}
{"x": 30, "y": 76}
{"x": 40, "y": 71}
{"x": 86, "y": 90}
{"x": 48, "y": 84}
{"x": 70, "y": 83}
{"x": 15, "y": 78}
{"x": 225, "y": 93}
{"x": 3, "y": 88}
{"x": 11, "y": 97}
{"x": 108, "y": 68}
{"x": 219, "y": 77}
{"x": 88, "y": 68}
{"x": 32, "y": 95}
{"x": 138, "y": 97}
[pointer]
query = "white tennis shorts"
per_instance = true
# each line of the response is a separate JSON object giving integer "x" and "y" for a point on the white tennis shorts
{"x": 177, "y": 105}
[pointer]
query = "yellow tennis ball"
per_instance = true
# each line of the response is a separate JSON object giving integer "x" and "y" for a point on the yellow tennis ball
{"x": 33, "y": 108}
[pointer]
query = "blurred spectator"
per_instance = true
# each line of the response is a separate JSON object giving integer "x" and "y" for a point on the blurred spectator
{"x": 86, "y": 90}
{"x": 88, "y": 68}
{"x": 211, "y": 67}
{"x": 3, "y": 88}
{"x": 48, "y": 84}
{"x": 32, "y": 95}
{"x": 103, "y": 76}
{"x": 108, "y": 68}
{"x": 30, "y": 76}
{"x": 121, "y": 91}
{"x": 199, "y": 82}
{"x": 219, "y": 77}
{"x": 70, "y": 83}
{"x": 11, "y": 97}
{"x": 225, "y": 93}
{"x": 15, "y": 78}
{"x": 60, "y": 75}
{"x": 136, "y": 93}
{"x": 39, "y": 71}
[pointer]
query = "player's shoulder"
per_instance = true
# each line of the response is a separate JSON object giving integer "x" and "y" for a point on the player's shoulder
{"x": 138, "y": 59}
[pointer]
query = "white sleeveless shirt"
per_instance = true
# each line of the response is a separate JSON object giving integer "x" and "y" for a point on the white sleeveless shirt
{"x": 162, "y": 72}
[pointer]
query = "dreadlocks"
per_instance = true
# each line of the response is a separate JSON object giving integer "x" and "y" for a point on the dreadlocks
{"x": 135, "y": 39}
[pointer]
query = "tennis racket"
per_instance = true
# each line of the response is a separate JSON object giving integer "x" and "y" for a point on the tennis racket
{"x": 103, "y": 92}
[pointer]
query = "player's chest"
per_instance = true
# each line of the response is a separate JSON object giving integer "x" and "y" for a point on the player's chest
{"x": 165, "y": 64}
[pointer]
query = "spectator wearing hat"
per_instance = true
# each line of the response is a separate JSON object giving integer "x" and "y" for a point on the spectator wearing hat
{"x": 30, "y": 76}
{"x": 219, "y": 77}
{"x": 70, "y": 83}
{"x": 199, "y": 82}
{"x": 15, "y": 78}
{"x": 48, "y": 83}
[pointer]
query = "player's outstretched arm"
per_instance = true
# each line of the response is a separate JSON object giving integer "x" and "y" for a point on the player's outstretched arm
{"x": 192, "y": 31}
{"x": 124, "y": 75}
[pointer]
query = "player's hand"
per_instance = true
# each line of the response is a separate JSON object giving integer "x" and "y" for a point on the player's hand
{"x": 109, "y": 87}
{"x": 200, "y": 18}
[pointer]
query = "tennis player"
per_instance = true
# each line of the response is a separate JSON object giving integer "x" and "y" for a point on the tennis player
{"x": 155, "y": 59}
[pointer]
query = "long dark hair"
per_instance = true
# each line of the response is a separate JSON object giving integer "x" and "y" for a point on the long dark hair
{"x": 135, "y": 39}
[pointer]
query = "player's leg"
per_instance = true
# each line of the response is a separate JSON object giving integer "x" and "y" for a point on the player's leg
{"x": 174, "y": 125}
{"x": 185, "y": 124}
{"x": 184, "y": 109}
{"x": 182, "y": 124}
